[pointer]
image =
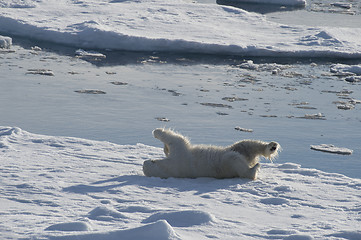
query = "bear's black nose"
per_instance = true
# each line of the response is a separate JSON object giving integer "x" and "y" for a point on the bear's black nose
{"x": 273, "y": 148}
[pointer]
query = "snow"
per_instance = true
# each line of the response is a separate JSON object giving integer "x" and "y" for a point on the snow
{"x": 180, "y": 26}
{"x": 71, "y": 188}
{"x": 182, "y": 218}
{"x": 156, "y": 231}
{"x": 71, "y": 226}
{"x": 18, "y": 3}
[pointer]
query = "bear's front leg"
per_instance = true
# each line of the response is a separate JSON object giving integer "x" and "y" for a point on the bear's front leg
{"x": 172, "y": 141}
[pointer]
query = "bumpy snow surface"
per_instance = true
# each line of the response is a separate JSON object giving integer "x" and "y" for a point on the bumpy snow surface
{"x": 177, "y": 25}
{"x": 70, "y": 188}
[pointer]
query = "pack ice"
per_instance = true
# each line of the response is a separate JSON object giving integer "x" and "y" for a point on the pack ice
{"x": 70, "y": 188}
{"x": 180, "y": 26}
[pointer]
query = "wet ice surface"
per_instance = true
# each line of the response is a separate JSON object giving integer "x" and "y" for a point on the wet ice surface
{"x": 123, "y": 97}
{"x": 343, "y": 13}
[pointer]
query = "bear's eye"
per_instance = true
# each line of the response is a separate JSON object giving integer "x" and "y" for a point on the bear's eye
{"x": 273, "y": 148}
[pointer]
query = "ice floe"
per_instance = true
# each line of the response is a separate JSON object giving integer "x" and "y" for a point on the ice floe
{"x": 45, "y": 72}
{"x": 72, "y": 188}
{"x": 243, "y": 129}
{"x": 332, "y": 149}
{"x": 344, "y": 68}
{"x": 177, "y": 26}
{"x": 89, "y": 55}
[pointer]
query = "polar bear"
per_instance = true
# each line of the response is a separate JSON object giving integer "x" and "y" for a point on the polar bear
{"x": 184, "y": 160}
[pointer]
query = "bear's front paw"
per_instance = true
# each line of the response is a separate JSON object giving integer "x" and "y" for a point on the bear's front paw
{"x": 158, "y": 132}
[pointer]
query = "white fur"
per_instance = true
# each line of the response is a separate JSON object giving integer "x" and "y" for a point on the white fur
{"x": 184, "y": 160}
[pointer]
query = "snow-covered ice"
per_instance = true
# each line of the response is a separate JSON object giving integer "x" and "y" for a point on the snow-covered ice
{"x": 181, "y": 26}
{"x": 89, "y": 55}
{"x": 72, "y": 188}
{"x": 18, "y": 3}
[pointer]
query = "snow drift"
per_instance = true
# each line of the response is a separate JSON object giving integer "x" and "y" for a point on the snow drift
{"x": 71, "y": 188}
{"x": 178, "y": 26}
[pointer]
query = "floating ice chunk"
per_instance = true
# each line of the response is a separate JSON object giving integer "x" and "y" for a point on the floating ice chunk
{"x": 336, "y": 68}
{"x": 45, "y": 72}
{"x": 90, "y": 91}
{"x": 273, "y": 67}
{"x": 278, "y": 2}
{"x": 233, "y": 99}
{"x": 89, "y": 54}
{"x": 353, "y": 79}
{"x": 346, "y": 106}
{"x": 318, "y": 116}
{"x": 72, "y": 226}
{"x": 217, "y": 105}
{"x": 5, "y": 42}
{"x": 243, "y": 129}
{"x": 162, "y": 119}
{"x": 36, "y": 48}
{"x": 249, "y": 65}
{"x": 344, "y": 68}
{"x": 355, "y": 101}
{"x": 342, "y": 5}
{"x": 332, "y": 149}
